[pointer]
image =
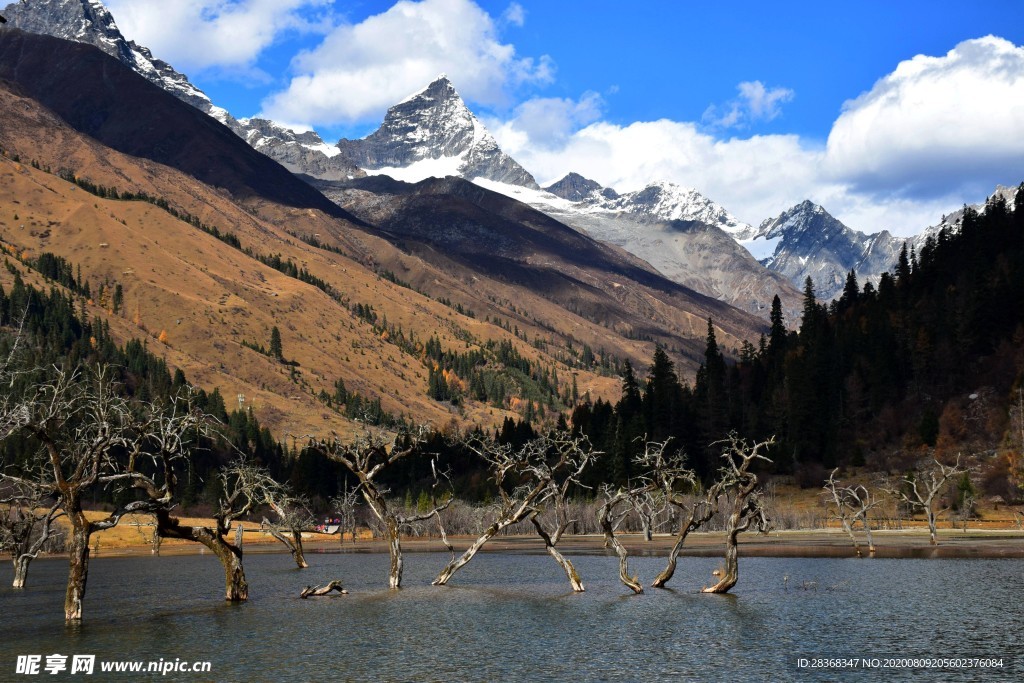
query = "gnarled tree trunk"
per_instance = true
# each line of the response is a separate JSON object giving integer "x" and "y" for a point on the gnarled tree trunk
{"x": 745, "y": 508}
{"x": 567, "y": 566}
{"x": 78, "y": 554}
{"x": 731, "y": 571}
{"x": 604, "y": 518}
{"x": 700, "y": 513}
{"x": 294, "y": 544}
{"x": 236, "y": 588}
{"x": 461, "y": 561}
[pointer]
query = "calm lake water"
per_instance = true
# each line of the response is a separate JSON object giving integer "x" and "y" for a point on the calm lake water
{"x": 512, "y": 617}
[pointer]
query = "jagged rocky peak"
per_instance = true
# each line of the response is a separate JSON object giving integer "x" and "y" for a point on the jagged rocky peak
{"x": 435, "y": 124}
{"x": 89, "y": 21}
{"x": 803, "y": 217}
{"x": 298, "y": 151}
{"x": 266, "y": 129}
{"x": 810, "y": 242}
{"x": 576, "y": 188}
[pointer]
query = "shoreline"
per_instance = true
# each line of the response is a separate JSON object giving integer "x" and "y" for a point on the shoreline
{"x": 811, "y": 543}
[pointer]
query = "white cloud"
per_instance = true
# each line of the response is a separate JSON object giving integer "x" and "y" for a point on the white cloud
{"x": 755, "y": 103}
{"x": 514, "y": 14}
{"x": 936, "y": 125}
{"x": 754, "y": 178}
{"x": 546, "y": 121}
{"x": 218, "y": 34}
{"x": 935, "y": 133}
{"x": 361, "y": 69}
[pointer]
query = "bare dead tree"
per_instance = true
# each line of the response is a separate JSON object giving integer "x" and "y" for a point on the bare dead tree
{"x": 79, "y": 422}
{"x": 527, "y": 478}
{"x": 920, "y": 489}
{"x": 648, "y": 505}
{"x": 27, "y": 515}
{"x": 610, "y": 515}
{"x": 292, "y": 516}
{"x": 852, "y": 505}
{"x": 164, "y": 440}
{"x": 681, "y": 488}
{"x": 345, "y": 505}
{"x": 245, "y": 487}
{"x": 577, "y": 455}
{"x": 367, "y": 457}
{"x": 739, "y": 485}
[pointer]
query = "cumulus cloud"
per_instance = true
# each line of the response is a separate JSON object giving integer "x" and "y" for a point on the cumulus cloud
{"x": 225, "y": 35}
{"x": 755, "y": 103}
{"x": 936, "y": 125}
{"x": 754, "y": 177}
{"x": 546, "y": 121}
{"x": 361, "y": 69}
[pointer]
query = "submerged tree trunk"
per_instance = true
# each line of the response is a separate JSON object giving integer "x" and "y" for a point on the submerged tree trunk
{"x": 294, "y": 544}
{"x": 867, "y": 532}
{"x": 25, "y": 549}
{"x": 236, "y": 588}
{"x": 685, "y": 528}
{"x": 567, "y": 566}
{"x": 604, "y": 518}
{"x": 932, "y": 531}
{"x": 745, "y": 508}
{"x": 460, "y": 562}
{"x": 853, "y": 537}
{"x": 21, "y": 563}
{"x": 731, "y": 571}
{"x": 78, "y": 567}
{"x": 317, "y": 591}
{"x": 395, "y": 550}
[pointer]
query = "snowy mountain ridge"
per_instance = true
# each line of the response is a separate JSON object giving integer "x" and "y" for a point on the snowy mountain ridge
{"x": 89, "y": 21}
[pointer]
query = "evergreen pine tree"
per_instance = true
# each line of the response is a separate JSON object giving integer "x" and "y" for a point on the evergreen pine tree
{"x": 275, "y": 344}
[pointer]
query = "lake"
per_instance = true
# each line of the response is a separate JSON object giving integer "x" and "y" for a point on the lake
{"x": 513, "y": 617}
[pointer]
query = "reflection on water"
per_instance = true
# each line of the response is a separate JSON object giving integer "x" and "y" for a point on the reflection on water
{"x": 513, "y": 617}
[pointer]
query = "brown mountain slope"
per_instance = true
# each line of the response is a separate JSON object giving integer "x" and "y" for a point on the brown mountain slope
{"x": 97, "y": 95}
{"x": 204, "y": 298}
{"x": 209, "y": 297}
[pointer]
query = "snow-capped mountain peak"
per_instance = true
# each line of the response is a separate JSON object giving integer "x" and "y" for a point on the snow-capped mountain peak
{"x": 668, "y": 201}
{"x": 433, "y": 133}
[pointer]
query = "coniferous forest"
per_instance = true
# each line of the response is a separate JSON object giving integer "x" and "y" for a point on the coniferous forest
{"x": 929, "y": 356}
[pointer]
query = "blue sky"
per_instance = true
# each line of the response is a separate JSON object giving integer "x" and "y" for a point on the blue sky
{"x": 887, "y": 113}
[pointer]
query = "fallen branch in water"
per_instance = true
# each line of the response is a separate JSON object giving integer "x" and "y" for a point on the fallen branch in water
{"x": 317, "y": 591}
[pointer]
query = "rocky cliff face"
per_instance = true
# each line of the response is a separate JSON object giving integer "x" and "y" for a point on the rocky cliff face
{"x": 684, "y": 235}
{"x": 434, "y": 133}
{"x": 304, "y": 152}
{"x": 89, "y": 21}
